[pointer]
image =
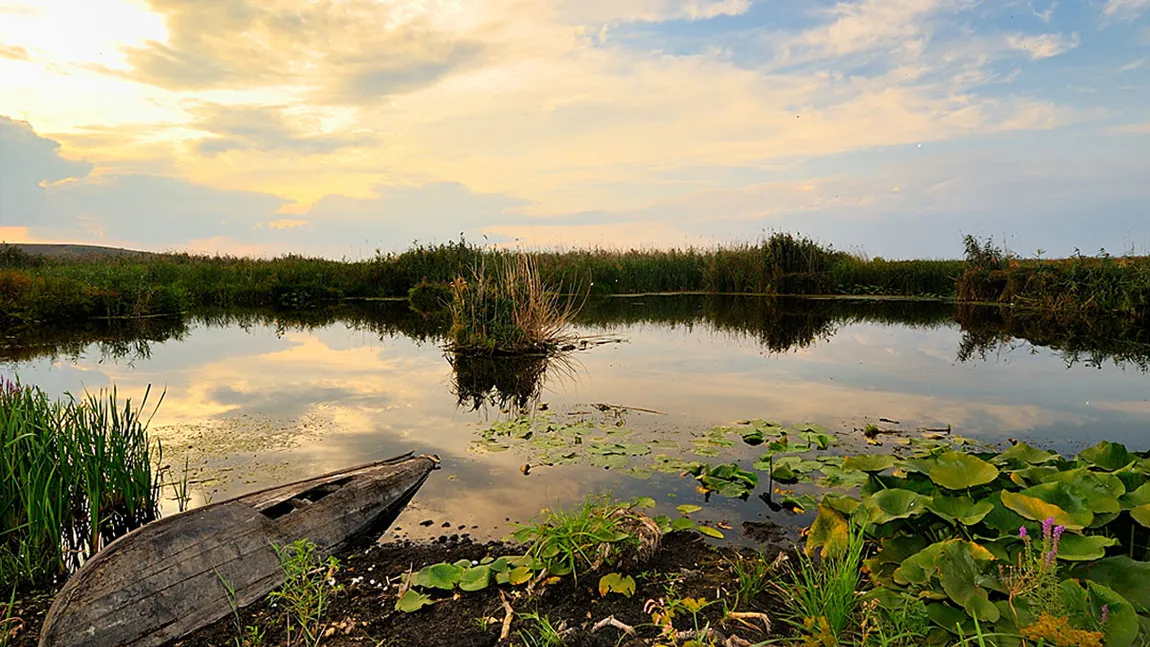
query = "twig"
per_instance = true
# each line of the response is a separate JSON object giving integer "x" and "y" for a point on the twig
{"x": 736, "y": 641}
{"x": 745, "y": 616}
{"x": 610, "y": 621}
{"x": 506, "y": 633}
{"x": 602, "y": 406}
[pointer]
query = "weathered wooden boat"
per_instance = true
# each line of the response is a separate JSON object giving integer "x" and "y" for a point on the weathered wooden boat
{"x": 172, "y": 576}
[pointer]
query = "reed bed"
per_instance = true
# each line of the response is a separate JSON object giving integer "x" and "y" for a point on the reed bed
{"x": 74, "y": 474}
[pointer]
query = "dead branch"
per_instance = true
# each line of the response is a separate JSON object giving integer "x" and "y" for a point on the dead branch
{"x": 745, "y": 617}
{"x": 610, "y": 621}
{"x": 506, "y": 633}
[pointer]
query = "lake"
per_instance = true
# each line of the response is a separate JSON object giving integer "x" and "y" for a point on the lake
{"x": 257, "y": 398}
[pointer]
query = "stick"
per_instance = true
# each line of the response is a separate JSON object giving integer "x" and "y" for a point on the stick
{"x": 506, "y": 633}
{"x": 620, "y": 407}
{"x": 610, "y": 621}
{"x": 744, "y": 616}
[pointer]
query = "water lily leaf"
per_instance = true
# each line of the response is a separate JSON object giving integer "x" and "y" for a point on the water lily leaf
{"x": 610, "y": 461}
{"x": 616, "y": 583}
{"x": 798, "y": 503}
{"x": 1023, "y": 454}
{"x": 438, "y": 576}
{"x": 947, "y": 616}
{"x": 1083, "y": 548}
{"x": 1084, "y": 601}
{"x": 1029, "y": 476}
{"x": 959, "y": 509}
{"x": 666, "y": 444}
{"x": 688, "y": 508}
{"x": 644, "y": 502}
{"x": 834, "y": 476}
{"x": 869, "y": 462}
{"x": 1122, "y": 574}
{"x": 710, "y": 532}
{"x": 475, "y": 578}
{"x": 1141, "y": 514}
{"x": 888, "y": 505}
{"x": 607, "y": 449}
{"x": 818, "y": 439}
{"x": 956, "y": 470}
{"x": 1107, "y": 455}
{"x": 412, "y": 601}
{"x": 520, "y": 575}
{"x": 966, "y": 570}
{"x": 829, "y": 531}
{"x": 844, "y": 504}
{"x": 1002, "y": 518}
{"x": 1138, "y": 497}
{"x": 1101, "y": 490}
{"x": 919, "y": 567}
{"x": 1063, "y": 502}
{"x": 682, "y": 523}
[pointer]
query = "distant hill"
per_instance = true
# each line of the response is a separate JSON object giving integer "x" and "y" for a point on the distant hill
{"x": 54, "y": 250}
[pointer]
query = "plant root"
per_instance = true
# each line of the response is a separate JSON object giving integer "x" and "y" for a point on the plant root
{"x": 610, "y": 621}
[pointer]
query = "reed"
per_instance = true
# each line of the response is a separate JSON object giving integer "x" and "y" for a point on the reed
{"x": 508, "y": 310}
{"x": 74, "y": 474}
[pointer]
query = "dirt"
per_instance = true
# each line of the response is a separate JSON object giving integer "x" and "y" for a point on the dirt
{"x": 363, "y": 612}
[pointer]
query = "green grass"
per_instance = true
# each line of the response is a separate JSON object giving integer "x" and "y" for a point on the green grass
{"x": 539, "y": 632}
{"x": 74, "y": 474}
{"x": 821, "y": 596}
{"x": 305, "y": 593}
{"x": 753, "y": 576}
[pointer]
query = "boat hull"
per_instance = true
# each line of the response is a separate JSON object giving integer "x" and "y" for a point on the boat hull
{"x": 180, "y": 573}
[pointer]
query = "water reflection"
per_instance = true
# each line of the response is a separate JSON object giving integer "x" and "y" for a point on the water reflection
{"x": 258, "y": 397}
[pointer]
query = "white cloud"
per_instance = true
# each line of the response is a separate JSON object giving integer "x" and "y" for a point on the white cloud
{"x": 1125, "y": 9}
{"x": 1040, "y": 46}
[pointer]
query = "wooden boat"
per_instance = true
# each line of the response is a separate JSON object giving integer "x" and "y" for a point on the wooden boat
{"x": 167, "y": 579}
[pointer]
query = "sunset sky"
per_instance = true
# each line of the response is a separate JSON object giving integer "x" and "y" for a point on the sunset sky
{"x": 335, "y": 127}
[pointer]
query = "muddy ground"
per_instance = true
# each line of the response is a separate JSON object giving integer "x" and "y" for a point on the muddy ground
{"x": 363, "y": 613}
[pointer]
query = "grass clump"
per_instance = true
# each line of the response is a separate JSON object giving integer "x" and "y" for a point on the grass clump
{"x": 540, "y": 632}
{"x": 821, "y": 597}
{"x": 308, "y": 583}
{"x": 508, "y": 310}
{"x": 74, "y": 474}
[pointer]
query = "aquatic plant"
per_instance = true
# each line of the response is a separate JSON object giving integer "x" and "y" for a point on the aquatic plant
{"x": 74, "y": 474}
{"x": 509, "y": 310}
{"x": 307, "y": 586}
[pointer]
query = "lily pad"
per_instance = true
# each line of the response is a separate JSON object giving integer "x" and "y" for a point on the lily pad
{"x": 869, "y": 462}
{"x": 616, "y": 583}
{"x": 1063, "y": 502}
{"x": 710, "y": 532}
{"x": 829, "y": 532}
{"x": 1083, "y": 548}
{"x": 438, "y": 576}
{"x": 475, "y": 578}
{"x": 967, "y": 571}
{"x": 688, "y": 508}
{"x": 956, "y": 470}
{"x": 1107, "y": 455}
{"x": 1124, "y": 575}
{"x": 959, "y": 509}
{"x": 888, "y": 505}
{"x": 1141, "y": 514}
{"x": 1023, "y": 453}
{"x": 412, "y": 601}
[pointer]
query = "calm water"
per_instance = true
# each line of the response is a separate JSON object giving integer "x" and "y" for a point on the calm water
{"x": 258, "y": 399}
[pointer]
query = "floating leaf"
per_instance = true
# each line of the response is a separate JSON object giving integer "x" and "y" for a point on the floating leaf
{"x": 710, "y": 532}
{"x": 1101, "y": 490}
{"x": 966, "y": 571}
{"x": 869, "y": 462}
{"x": 644, "y": 502}
{"x": 1141, "y": 514}
{"x": 1124, "y": 575}
{"x": 616, "y": 583}
{"x": 682, "y": 523}
{"x": 688, "y": 508}
{"x": 1084, "y": 601}
{"x": 1023, "y": 454}
{"x": 412, "y": 601}
{"x": 475, "y": 578}
{"x": 519, "y": 575}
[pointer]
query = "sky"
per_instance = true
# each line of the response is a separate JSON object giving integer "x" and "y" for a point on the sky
{"x": 340, "y": 127}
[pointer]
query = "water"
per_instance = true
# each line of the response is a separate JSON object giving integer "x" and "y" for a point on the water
{"x": 253, "y": 399}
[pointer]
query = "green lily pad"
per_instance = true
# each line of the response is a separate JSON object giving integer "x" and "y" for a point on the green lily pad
{"x": 682, "y": 523}
{"x": 829, "y": 532}
{"x": 688, "y": 508}
{"x": 920, "y": 567}
{"x": 888, "y": 505}
{"x": 1101, "y": 490}
{"x": 955, "y": 470}
{"x": 869, "y": 462}
{"x": 1141, "y": 514}
{"x": 959, "y": 509}
{"x": 1023, "y": 453}
{"x": 967, "y": 571}
{"x": 1063, "y": 502}
{"x": 1083, "y": 548}
{"x": 710, "y": 532}
{"x": 1124, "y": 575}
{"x": 1140, "y": 496}
{"x": 1107, "y": 455}
{"x": 1084, "y": 601}
{"x": 616, "y": 583}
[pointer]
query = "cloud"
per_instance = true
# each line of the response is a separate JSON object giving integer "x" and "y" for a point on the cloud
{"x": 14, "y": 52}
{"x": 269, "y": 129}
{"x": 1125, "y": 9}
{"x": 1040, "y": 46}
{"x": 590, "y": 12}
{"x": 29, "y": 163}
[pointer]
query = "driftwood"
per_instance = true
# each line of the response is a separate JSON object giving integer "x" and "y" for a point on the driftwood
{"x": 183, "y": 572}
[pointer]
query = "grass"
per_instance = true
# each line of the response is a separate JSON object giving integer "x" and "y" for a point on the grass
{"x": 753, "y": 576}
{"x": 508, "y": 309}
{"x": 305, "y": 591}
{"x": 821, "y": 596}
{"x": 74, "y": 474}
{"x": 540, "y": 632}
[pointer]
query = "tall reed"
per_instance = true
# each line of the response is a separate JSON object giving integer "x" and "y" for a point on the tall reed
{"x": 74, "y": 474}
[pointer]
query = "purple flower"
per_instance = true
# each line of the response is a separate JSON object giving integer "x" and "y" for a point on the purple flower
{"x": 1058, "y": 530}
{"x": 1105, "y": 613}
{"x": 1049, "y": 559}
{"x": 1022, "y": 532}
{"x": 1047, "y": 525}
